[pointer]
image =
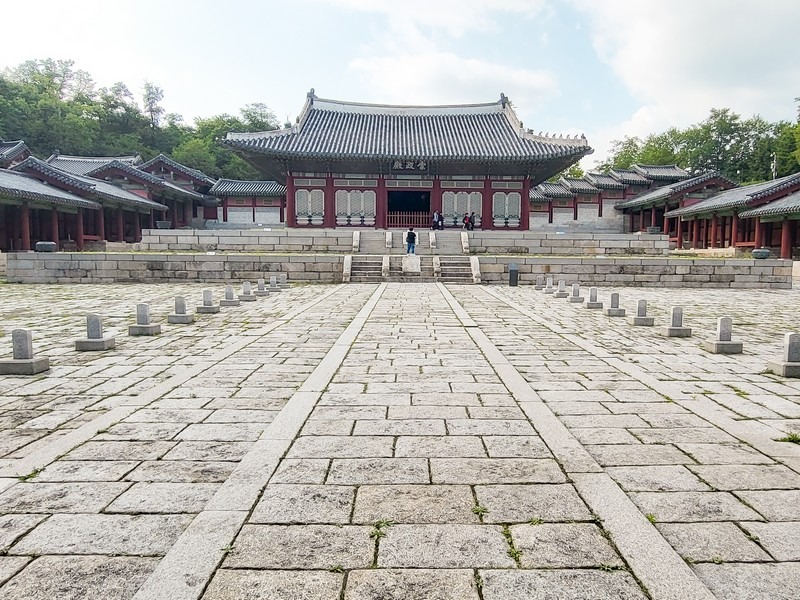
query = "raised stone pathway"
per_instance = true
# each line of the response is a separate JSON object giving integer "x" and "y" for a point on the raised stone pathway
{"x": 400, "y": 441}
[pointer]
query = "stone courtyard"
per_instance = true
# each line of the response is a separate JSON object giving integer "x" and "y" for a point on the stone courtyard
{"x": 399, "y": 442}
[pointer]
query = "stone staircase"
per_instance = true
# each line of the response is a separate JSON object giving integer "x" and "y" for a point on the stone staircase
{"x": 455, "y": 269}
{"x": 366, "y": 269}
{"x": 448, "y": 241}
{"x": 424, "y": 276}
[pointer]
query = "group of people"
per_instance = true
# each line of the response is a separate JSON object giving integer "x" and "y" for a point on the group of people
{"x": 468, "y": 222}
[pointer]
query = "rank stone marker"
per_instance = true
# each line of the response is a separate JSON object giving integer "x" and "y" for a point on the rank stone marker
{"x": 208, "y": 306}
{"x": 273, "y": 284}
{"x": 143, "y": 325}
{"x": 641, "y": 319}
{"x": 576, "y": 293}
{"x": 676, "y": 328}
{"x": 723, "y": 344}
{"x": 283, "y": 281}
{"x": 94, "y": 336}
{"x": 229, "y": 299}
{"x": 539, "y": 282}
{"x": 548, "y": 289}
{"x": 247, "y": 294}
{"x": 562, "y": 290}
{"x": 614, "y": 310}
{"x": 790, "y": 365}
{"x": 261, "y": 288}
{"x": 23, "y": 362}
{"x": 593, "y": 302}
{"x": 179, "y": 316}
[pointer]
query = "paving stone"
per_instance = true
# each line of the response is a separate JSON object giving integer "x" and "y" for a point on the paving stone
{"x": 568, "y": 584}
{"x": 450, "y": 446}
{"x": 208, "y": 451}
{"x": 578, "y": 408}
{"x": 641, "y": 454}
{"x": 51, "y": 577}
{"x": 722, "y": 454}
{"x": 415, "y": 504}
{"x": 12, "y": 527}
{"x": 563, "y": 545}
{"x": 521, "y": 503}
{"x": 516, "y": 447}
{"x": 10, "y": 566}
{"x": 751, "y": 581}
{"x": 620, "y": 421}
{"x": 587, "y": 435}
{"x": 444, "y": 547}
{"x": 775, "y": 505}
{"x": 304, "y": 504}
{"x": 495, "y": 470}
{"x": 167, "y": 471}
{"x": 411, "y": 584}
{"x": 781, "y": 540}
{"x": 301, "y": 470}
{"x": 140, "y": 431}
{"x": 120, "y": 451}
{"x": 132, "y": 535}
{"x": 657, "y": 479}
{"x": 161, "y": 415}
{"x": 164, "y": 498}
{"x": 341, "y": 447}
{"x": 686, "y": 507}
{"x": 225, "y": 432}
{"x": 706, "y": 542}
{"x": 335, "y": 399}
{"x": 302, "y": 547}
{"x": 576, "y": 396}
{"x": 489, "y": 427}
{"x": 620, "y": 408}
{"x": 426, "y": 412}
{"x": 401, "y": 427}
{"x": 336, "y": 413}
{"x": 241, "y": 584}
{"x": 328, "y": 427}
{"x": 496, "y": 412}
{"x": 60, "y": 497}
{"x": 86, "y": 470}
{"x": 364, "y": 471}
{"x": 748, "y": 477}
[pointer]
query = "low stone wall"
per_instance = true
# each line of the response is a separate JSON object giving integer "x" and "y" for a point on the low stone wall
{"x": 3, "y": 261}
{"x": 644, "y": 272}
{"x": 327, "y": 268}
{"x": 341, "y": 241}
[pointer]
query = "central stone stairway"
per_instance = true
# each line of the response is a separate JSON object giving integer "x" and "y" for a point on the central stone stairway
{"x": 366, "y": 269}
{"x": 455, "y": 269}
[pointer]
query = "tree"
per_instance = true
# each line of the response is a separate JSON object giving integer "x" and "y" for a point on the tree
{"x": 152, "y": 96}
{"x": 623, "y": 154}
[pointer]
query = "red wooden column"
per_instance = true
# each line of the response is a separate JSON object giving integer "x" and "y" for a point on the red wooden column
{"x": 599, "y": 205}
{"x": 652, "y": 216}
{"x": 79, "y": 230}
{"x": 436, "y": 199}
{"x": 695, "y": 233}
{"x": 137, "y": 227}
{"x": 120, "y": 226}
{"x": 714, "y": 232}
{"x": 734, "y": 229}
{"x": 329, "y": 216}
{"x": 152, "y": 220}
{"x": 525, "y": 206}
{"x": 381, "y": 204}
{"x": 291, "y": 211}
{"x": 25, "y": 222}
{"x": 101, "y": 224}
{"x": 550, "y": 211}
{"x": 679, "y": 228}
{"x": 575, "y": 208}
{"x": 487, "y": 216}
{"x": 54, "y": 225}
{"x": 758, "y": 233}
{"x": 786, "y": 239}
{"x": 173, "y": 212}
{"x": 282, "y": 202}
{"x": 641, "y": 219}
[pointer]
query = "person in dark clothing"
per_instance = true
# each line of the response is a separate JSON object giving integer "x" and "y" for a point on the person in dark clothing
{"x": 472, "y": 221}
{"x": 441, "y": 221}
{"x": 465, "y": 221}
{"x": 411, "y": 241}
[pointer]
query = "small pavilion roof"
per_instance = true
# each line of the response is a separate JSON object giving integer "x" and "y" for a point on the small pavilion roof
{"x": 629, "y": 177}
{"x": 604, "y": 181}
{"x": 554, "y": 190}
{"x": 651, "y": 197}
{"x": 787, "y": 205}
{"x": 238, "y": 187}
{"x": 167, "y": 164}
{"x": 536, "y": 195}
{"x": 662, "y": 172}
{"x": 145, "y": 178}
{"x": 578, "y": 185}
{"x": 336, "y": 130}
{"x": 26, "y": 187}
{"x": 11, "y": 150}
{"x": 82, "y": 165}
{"x": 737, "y": 197}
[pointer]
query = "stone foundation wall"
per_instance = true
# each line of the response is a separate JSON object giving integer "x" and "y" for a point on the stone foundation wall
{"x": 592, "y": 244}
{"x": 327, "y": 268}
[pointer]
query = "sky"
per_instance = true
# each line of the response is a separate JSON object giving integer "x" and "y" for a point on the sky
{"x": 605, "y": 68}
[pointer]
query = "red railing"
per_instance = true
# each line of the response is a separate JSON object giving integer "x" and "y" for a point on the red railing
{"x": 409, "y": 219}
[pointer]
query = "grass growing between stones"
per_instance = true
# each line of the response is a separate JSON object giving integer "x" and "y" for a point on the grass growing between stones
{"x": 512, "y": 551}
{"x": 792, "y": 438}
{"x": 379, "y": 529}
{"x": 535, "y": 521}
{"x": 651, "y": 517}
{"x": 31, "y": 475}
{"x": 479, "y": 510}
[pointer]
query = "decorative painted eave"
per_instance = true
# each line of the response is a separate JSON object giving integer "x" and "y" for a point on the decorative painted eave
{"x": 14, "y": 184}
{"x": 578, "y": 186}
{"x": 788, "y": 205}
{"x": 554, "y": 190}
{"x": 168, "y": 164}
{"x": 237, "y": 187}
{"x": 39, "y": 166}
{"x": 661, "y": 172}
{"x": 12, "y": 150}
{"x": 658, "y": 195}
{"x": 629, "y": 177}
{"x": 603, "y": 181}
{"x": 142, "y": 177}
{"x": 82, "y": 165}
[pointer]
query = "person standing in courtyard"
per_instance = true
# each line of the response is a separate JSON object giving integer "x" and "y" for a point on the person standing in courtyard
{"x": 472, "y": 221}
{"x": 465, "y": 221}
{"x": 435, "y": 220}
{"x": 441, "y": 221}
{"x": 411, "y": 241}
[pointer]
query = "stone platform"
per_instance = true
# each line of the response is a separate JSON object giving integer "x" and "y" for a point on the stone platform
{"x": 408, "y": 441}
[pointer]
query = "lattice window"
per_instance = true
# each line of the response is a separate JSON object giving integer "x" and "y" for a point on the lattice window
{"x": 455, "y": 204}
{"x": 309, "y": 206}
{"x": 506, "y": 209}
{"x": 355, "y": 207}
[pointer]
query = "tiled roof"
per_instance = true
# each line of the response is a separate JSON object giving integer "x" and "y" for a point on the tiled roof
{"x": 653, "y": 196}
{"x": 19, "y": 185}
{"x": 146, "y": 178}
{"x": 662, "y": 172}
{"x": 578, "y": 186}
{"x": 629, "y": 177}
{"x": 345, "y": 130}
{"x": 11, "y": 150}
{"x": 785, "y": 206}
{"x": 554, "y": 190}
{"x": 536, "y": 195}
{"x": 237, "y": 187}
{"x": 169, "y": 164}
{"x": 82, "y": 165}
{"x": 603, "y": 181}
{"x": 737, "y": 197}
{"x": 89, "y": 185}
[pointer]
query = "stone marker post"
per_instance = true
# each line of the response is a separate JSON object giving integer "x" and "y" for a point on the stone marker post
{"x": 273, "y": 284}
{"x": 676, "y": 328}
{"x": 614, "y": 310}
{"x": 641, "y": 319}
{"x": 790, "y": 365}
{"x": 283, "y": 281}
{"x": 562, "y": 290}
{"x": 208, "y": 306}
{"x": 180, "y": 316}
{"x": 229, "y": 299}
{"x": 143, "y": 325}
{"x": 539, "y": 282}
{"x": 724, "y": 343}
{"x": 548, "y": 289}
{"x": 593, "y": 303}
{"x": 23, "y": 361}
{"x": 247, "y": 294}
{"x": 94, "y": 336}
{"x": 576, "y": 293}
{"x": 261, "y": 289}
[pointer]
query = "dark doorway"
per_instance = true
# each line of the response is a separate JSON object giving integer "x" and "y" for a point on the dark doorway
{"x": 407, "y": 201}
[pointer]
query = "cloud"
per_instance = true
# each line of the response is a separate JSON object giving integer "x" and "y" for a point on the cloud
{"x": 445, "y": 78}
